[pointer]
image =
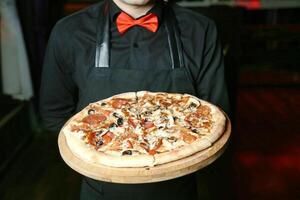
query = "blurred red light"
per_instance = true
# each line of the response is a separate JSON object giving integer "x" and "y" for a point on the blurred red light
{"x": 249, "y": 4}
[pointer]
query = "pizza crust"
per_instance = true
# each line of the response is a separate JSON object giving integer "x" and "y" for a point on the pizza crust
{"x": 181, "y": 152}
{"x": 218, "y": 125}
{"x": 127, "y": 95}
{"x": 142, "y": 93}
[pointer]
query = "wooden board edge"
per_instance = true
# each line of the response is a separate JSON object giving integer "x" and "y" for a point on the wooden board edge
{"x": 153, "y": 174}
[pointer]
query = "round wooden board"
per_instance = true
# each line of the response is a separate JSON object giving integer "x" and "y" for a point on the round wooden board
{"x": 145, "y": 174}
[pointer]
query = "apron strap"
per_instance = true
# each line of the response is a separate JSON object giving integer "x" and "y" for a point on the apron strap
{"x": 103, "y": 40}
{"x": 175, "y": 43}
{"x": 173, "y": 38}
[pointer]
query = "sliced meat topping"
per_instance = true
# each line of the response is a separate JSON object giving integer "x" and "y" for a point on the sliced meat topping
{"x": 94, "y": 119}
{"x": 119, "y": 102}
{"x": 203, "y": 110}
{"x": 188, "y": 138}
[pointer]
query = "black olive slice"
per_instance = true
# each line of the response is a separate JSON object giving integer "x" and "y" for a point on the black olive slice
{"x": 193, "y": 105}
{"x": 91, "y": 111}
{"x": 147, "y": 112}
{"x": 116, "y": 115}
{"x": 100, "y": 142}
{"x": 103, "y": 104}
{"x": 194, "y": 131}
{"x": 127, "y": 152}
{"x": 120, "y": 121}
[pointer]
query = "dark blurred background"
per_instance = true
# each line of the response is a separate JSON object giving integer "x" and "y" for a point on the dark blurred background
{"x": 261, "y": 43}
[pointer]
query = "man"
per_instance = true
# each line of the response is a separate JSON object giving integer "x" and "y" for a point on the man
{"x": 130, "y": 45}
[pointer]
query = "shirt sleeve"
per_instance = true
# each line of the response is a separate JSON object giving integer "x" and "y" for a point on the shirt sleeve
{"x": 210, "y": 82}
{"x": 58, "y": 89}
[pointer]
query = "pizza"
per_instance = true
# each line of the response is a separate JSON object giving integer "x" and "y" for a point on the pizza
{"x": 142, "y": 129}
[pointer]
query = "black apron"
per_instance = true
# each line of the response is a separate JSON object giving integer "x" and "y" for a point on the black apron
{"x": 103, "y": 81}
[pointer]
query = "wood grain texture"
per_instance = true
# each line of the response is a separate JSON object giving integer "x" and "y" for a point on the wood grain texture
{"x": 145, "y": 174}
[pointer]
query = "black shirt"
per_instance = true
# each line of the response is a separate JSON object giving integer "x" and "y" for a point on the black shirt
{"x": 71, "y": 53}
{"x": 139, "y": 45}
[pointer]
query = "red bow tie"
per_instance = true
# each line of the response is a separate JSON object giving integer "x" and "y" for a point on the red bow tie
{"x": 124, "y": 22}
